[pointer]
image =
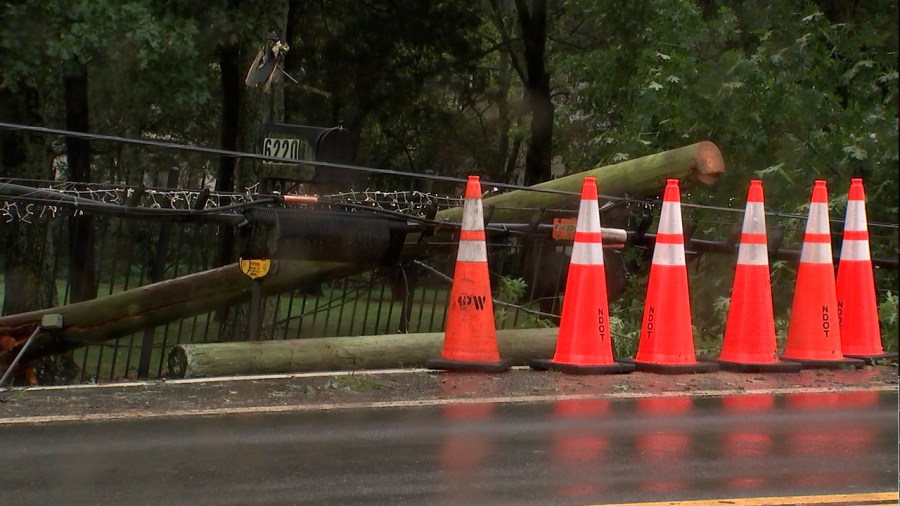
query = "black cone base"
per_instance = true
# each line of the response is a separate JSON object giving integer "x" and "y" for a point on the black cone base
{"x": 774, "y": 367}
{"x": 542, "y": 364}
{"x": 695, "y": 368}
{"x": 452, "y": 365}
{"x": 872, "y": 359}
{"x": 829, "y": 364}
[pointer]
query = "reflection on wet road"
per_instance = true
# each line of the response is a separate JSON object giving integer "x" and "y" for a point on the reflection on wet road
{"x": 585, "y": 451}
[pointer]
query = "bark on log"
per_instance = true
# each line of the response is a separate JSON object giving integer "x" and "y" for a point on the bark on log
{"x": 340, "y": 353}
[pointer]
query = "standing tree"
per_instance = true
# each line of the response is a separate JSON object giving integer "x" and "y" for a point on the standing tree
{"x": 392, "y": 73}
{"x": 528, "y": 54}
{"x": 533, "y": 26}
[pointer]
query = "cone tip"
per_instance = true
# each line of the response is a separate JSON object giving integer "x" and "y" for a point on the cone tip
{"x": 589, "y": 189}
{"x": 473, "y": 188}
{"x": 820, "y": 191}
{"x": 672, "y": 193}
{"x": 856, "y": 189}
{"x": 755, "y": 194}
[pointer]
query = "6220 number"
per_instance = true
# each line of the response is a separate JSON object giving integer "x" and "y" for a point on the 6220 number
{"x": 285, "y": 149}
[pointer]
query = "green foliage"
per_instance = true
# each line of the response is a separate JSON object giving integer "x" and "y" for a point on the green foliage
{"x": 624, "y": 341}
{"x": 511, "y": 291}
{"x": 148, "y": 71}
{"x": 888, "y": 315}
{"x": 626, "y": 315}
{"x": 787, "y": 94}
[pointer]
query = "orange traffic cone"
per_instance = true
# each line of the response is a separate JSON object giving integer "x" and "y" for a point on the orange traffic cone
{"x": 470, "y": 339}
{"x": 856, "y": 302}
{"x": 749, "y": 344}
{"x": 583, "y": 345}
{"x": 667, "y": 339}
{"x": 814, "y": 336}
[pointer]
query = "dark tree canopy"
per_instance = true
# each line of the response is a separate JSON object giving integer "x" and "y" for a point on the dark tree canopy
{"x": 515, "y": 90}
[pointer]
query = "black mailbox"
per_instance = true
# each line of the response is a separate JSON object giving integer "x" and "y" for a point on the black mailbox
{"x": 291, "y": 145}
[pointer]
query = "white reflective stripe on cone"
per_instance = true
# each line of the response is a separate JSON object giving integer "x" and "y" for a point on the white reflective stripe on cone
{"x": 670, "y": 218}
{"x": 856, "y": 216}
{"x": 816, "y": 253}
{"x": 587, "y": 253}
{"x": 855, "y": 250}
{"x": 473, "y": 217}
{"x": 472, "y": 251}
{"x": 588, "y": 217}
{"x": 753, "y": 254}
{"x": 754, "y": 219}
{"x": 668, "y": 254}
{"x": 818, "y": 219}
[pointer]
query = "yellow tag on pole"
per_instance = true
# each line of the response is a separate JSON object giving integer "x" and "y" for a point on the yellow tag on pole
{"x": 255, "y": 268}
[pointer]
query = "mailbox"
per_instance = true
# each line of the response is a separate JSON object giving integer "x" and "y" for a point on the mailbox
{"x": 291, "y": 145}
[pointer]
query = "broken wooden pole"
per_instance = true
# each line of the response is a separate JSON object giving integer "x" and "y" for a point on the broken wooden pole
{"x": 641, "y": 176}
{"x": 98, "y": 320}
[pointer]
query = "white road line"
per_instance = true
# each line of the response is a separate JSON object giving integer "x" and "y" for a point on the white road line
{"x": 871, "y": 498}
{"x": 298, "y": 408}
{"x": 223, "y": 379}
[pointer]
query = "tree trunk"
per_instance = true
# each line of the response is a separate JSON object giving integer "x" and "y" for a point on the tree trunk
{"x": 29, "y": 249}
{"x": 228, "y": 140}
{"x": 533, "y": 26}
{"x": 82, "y": 275}
{"x": 340, "y": 353}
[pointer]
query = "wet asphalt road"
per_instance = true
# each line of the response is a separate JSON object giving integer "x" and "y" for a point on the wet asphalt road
{"x": 595, "y": 451}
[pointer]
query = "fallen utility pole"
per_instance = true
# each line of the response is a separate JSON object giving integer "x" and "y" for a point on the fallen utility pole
{"x": 642, "y": 176}
{"x": 99, "y": 320}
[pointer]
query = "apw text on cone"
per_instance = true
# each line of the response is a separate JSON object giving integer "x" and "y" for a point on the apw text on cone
{"x": 470, "y": 338}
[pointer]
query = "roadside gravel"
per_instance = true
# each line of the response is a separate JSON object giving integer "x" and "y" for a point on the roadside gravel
{"x": 315, "y": 391}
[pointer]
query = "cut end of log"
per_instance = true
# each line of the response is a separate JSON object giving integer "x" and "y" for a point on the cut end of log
{"x": 709, "y": 163}
{"x": 178, "y": 363}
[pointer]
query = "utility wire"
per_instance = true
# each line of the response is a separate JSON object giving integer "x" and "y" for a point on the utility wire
{"x": 255, "y": 156}
{"x": 374, "y": 170}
